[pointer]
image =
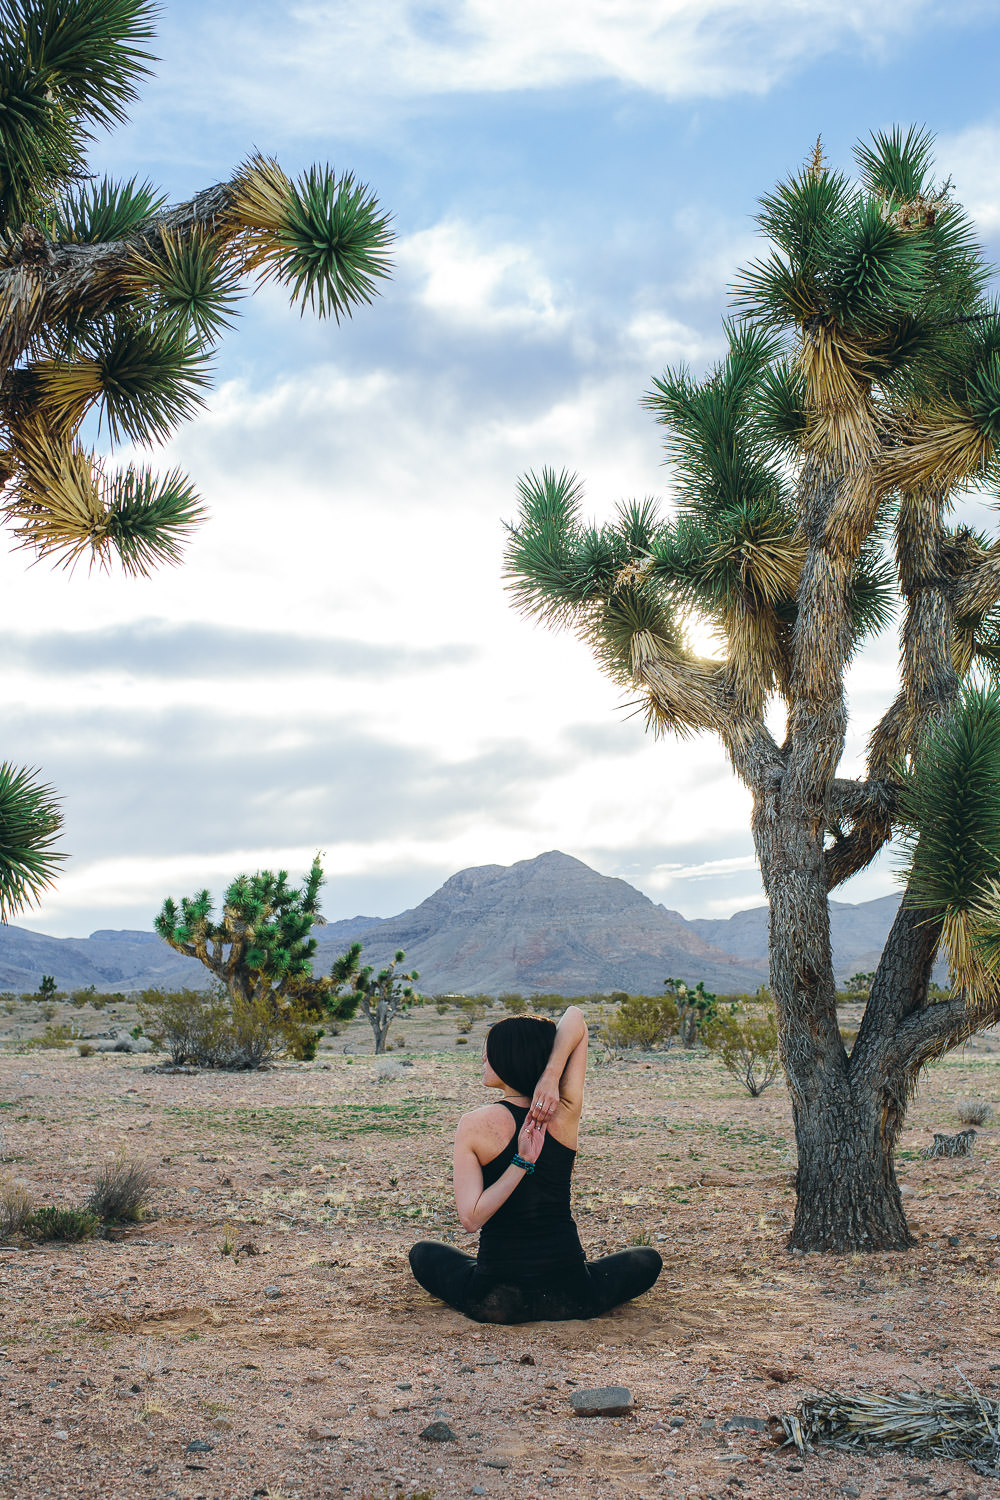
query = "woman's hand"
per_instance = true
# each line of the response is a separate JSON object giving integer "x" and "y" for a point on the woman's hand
{"x": 530, "y": 1140}
{"x": 546, "y": 1097}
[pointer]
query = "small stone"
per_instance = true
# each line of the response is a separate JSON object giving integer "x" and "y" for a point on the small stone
{"x": 602, "y": 1401}
{"x": 466, "y": 1369}
{"x": 708, "y": 1424}
{"x": 851, "y": 1490}
{"x": 438, "y": 1432}
{"x": 527, "y": 1359}
{"x": 404, "y": 1385}
{"x": 745, "y": 1424}
{"x": 496, "y": 1461}
{"x": 905, "y": 1191}
{"x": 677, "y": 1422}
{"x": 953, "y": 1239}
{"x": 60, "y": 1435}
{"x": 477, "y": 1489}
{"x": 272, "y": 1292}
{"x": 198, "y": 1445}
{"x": 321, "y": 1435}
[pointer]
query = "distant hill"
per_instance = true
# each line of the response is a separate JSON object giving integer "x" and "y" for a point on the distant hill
{"x": 544, "y": 924}
{"x": 550, "y": 923}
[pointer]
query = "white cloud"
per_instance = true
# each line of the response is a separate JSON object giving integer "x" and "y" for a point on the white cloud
{"x": 972, "y": 158}
{"x": 496, "y": 290}
{"x": 332, "y": 64}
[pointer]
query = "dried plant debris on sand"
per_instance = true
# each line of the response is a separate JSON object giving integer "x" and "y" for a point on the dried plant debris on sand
{"x": 952, "y": 1145}
{"x": 930, "y": 1422}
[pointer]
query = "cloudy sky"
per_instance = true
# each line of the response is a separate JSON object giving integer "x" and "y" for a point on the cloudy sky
{"x": 335, "y": 666}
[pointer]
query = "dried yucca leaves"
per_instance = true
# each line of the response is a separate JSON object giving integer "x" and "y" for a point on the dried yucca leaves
{"x": 934, "y": 1423}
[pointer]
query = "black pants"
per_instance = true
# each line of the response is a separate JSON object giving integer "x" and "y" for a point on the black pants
{"x": 583, "y": 1291}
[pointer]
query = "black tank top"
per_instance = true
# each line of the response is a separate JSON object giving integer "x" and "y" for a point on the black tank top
{"x": 533, "y": 1233}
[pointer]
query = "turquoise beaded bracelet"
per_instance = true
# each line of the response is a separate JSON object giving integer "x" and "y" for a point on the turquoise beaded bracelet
{"x": 526, "y": 1166}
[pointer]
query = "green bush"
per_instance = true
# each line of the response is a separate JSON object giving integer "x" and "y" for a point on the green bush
{"x": 747, "y": 1045}
{"x": 208, "y": 1030}
{"x": 514, "y": 1004}
{"x": 67, "y": 1224}
{"x": 79, "y": 998}
{"x": 644, "y": 1021}
{"x": 548, "y": 1004}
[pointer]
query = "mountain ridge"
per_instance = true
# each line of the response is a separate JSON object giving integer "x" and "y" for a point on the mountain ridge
{"x": 550, "y": 923}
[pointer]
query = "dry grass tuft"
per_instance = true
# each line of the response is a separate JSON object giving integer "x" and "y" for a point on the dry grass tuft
{"x": 122, "y": 1190}
{"x": 973, "y": 1111}
{"x": 15, "y": 1208}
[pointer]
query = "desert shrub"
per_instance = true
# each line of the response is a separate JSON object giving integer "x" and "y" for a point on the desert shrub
{"x": 514, "y": 1004}
{"x": 86, "y": 1049}
{"x": 461, "y": 1041}
{"x": 973, "y": 1111}
{"x": 848, "y": 1035}
{"x": 747, "y": 1045}
{"x": 67, "y": 1224}
{"x": 59, "y": 1036}
{"x": 644, "y": 1021}
{"x": 79, "y": 998}
{"x": 442, "y": 1007}
{"x": 189, "y": 1025}
{"x": 548, "y": 1004}
{"x": 122, "y": 1190}
{"x": 15, "y": 1208}
{"x": 98, "y": 1002}
{"x": 9, "y": 1004}
{"x": 49, "y": 1011}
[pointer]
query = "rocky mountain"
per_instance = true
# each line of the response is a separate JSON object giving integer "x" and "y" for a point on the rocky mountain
{"x": 544, "y": 924}
{"x": 857, "y": 933}
{"x": 550, "y": 923}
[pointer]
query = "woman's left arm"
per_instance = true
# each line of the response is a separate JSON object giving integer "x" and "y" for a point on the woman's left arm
{"x": 474, "y": 1203}
{"x": 562, "y": 1079}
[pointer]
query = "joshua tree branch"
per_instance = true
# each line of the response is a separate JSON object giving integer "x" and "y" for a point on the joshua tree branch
{"x": 978, "y": 589}
{"x": 43, "y": 281}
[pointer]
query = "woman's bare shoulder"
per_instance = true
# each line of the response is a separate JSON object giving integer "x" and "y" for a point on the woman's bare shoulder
{"x": 488, "y": 1121}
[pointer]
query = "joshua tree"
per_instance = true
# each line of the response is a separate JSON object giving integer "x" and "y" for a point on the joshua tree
{"x": 110, "y": 305}
{"x": 381, "y": 996}
{"x": 260, "y": 949}
{"x": 814, "y": 470}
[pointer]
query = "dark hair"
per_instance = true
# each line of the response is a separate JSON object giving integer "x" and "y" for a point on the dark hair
{"x": 518, "y": 1048}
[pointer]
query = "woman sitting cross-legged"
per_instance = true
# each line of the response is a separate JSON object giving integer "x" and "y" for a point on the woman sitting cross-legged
{"x": 513, "y": 1164}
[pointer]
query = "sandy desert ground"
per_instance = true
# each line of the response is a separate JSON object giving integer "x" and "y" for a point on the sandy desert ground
{"x": 309, "y": 1363}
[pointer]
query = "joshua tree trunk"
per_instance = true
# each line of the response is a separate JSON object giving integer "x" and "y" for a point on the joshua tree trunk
{"x": 848, "y": 1108}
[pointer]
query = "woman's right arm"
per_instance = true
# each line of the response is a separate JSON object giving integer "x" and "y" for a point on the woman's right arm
{"x": 563, "y": 1078}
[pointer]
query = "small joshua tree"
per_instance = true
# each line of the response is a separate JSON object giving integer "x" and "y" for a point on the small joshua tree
{"x": 261, "y": 951}
{"x": 381, "y": 996}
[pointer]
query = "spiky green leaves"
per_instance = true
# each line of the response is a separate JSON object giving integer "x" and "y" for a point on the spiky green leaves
{"x": 29, "y": 823}
{"x": 951, "y": 801}
{"x": 104, "y": 210}
{"x": 323, "y": 236}
{"x": 881, "y": 267}
{"x": 64, "y": 65}
{"x": 145, "y": 375}
{"x": 262, "y": 938}
{"x": 65, "y": 506}
{"x": 90, "y": 52}
{"x": 193, "y": 284}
